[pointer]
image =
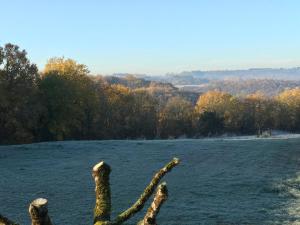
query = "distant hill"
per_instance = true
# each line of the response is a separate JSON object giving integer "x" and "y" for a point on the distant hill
{"x": 269, "y": 87}
{"x": 161, "y": 90}
{"x": 200, "y": 77}
{"x": 238, "y": 82}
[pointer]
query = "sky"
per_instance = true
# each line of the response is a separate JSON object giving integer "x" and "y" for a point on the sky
{"x": 156, "y": 36}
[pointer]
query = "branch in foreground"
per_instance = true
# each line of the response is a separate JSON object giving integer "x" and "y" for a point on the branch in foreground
{"x": 38, "y": 211}
{"x": 6, "y": 221}
{"x": 160, "y": 197}
{"x": 139, "y": 204}
{"x": 102, "y": 209}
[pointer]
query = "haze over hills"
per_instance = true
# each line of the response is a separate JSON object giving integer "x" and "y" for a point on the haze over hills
{"x": 269, "y": 81}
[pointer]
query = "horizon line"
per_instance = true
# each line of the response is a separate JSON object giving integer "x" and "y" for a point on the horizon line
{"x": 198, "y": 70}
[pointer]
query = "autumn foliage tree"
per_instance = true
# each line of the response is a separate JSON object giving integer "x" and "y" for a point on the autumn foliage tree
{"x": 70, "y": 98}
{"x": 66, "y": 102}
{"x": 176, "y": 118}
{"x": 258, "y": 113}
{"x": 226, "y": 107}
{"x": 289, "y": 115}
{"x": 145, "y": 115}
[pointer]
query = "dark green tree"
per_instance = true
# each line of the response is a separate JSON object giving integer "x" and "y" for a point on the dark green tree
{"x": 209, "y": 124}
{"x": 19, "y": 106}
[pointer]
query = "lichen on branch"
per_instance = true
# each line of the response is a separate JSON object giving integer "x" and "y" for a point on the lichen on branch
{"x": 102, "y": 209}
{"x": 160, "y": 197}
{"x": 139, "y": 204}
{"x": 38, "y": 210}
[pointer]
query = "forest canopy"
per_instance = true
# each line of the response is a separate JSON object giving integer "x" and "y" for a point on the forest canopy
{"x": 66, "y": 102}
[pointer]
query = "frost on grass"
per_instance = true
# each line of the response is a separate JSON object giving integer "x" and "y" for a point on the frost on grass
{"x": 38, "y": 209}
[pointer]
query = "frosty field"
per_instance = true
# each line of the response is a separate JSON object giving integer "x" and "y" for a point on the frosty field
{"x": 218, "y": 181}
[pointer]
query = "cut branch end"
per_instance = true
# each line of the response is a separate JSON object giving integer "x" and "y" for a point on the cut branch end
{"x": 38, "y": 210}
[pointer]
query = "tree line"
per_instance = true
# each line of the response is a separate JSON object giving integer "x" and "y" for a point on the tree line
{"x": 64, "y": 102}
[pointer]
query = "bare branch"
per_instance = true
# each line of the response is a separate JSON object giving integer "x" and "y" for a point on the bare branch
{"x": 139, "y": 204}
{"x": 160, "y": 197}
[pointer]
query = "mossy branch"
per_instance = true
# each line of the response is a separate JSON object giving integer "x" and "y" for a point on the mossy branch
{"x": 160, "y": 197}
{"x": 38, "y": 211}
{"x": 139, "y": 204}
{"x": 102, "y": 209}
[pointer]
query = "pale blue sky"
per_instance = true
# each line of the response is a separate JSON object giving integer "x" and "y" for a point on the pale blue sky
{"x": 156, "y": 36}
